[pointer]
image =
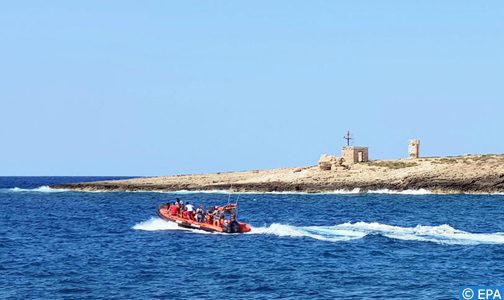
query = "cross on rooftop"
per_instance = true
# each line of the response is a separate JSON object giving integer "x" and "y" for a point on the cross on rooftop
{"x": 348, "y": 137}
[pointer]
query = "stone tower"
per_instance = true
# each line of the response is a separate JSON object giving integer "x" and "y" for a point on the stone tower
{"x": 414, "y": 148}
{"x": 354, "y": 155}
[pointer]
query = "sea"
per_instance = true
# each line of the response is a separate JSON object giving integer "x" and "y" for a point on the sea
{"x": 60, "y": 244}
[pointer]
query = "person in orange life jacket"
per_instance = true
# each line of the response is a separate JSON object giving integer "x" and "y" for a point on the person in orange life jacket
{"x": 174, "y": 209}
{"x": 208, "y": 218}
{"x": 186, "y": 214}
{"x": 209, "y": 215}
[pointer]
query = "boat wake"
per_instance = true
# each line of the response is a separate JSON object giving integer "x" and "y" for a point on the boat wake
{"x": 442, "y": 234}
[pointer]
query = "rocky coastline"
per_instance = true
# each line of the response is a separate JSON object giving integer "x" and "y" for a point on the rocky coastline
{"x": 460, "y": 174}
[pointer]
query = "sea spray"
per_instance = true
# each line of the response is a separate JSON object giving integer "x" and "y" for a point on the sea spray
{"x": 157, "y": 224}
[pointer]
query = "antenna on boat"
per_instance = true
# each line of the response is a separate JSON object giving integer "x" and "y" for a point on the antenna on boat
{"x": 236, "y": 212}
{"x": 229, "y": 194}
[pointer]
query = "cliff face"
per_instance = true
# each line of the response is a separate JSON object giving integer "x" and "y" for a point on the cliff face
{"x": 467, "y": 174}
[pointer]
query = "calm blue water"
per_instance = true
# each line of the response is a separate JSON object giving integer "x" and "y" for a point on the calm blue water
{"x": 57, "y": 244}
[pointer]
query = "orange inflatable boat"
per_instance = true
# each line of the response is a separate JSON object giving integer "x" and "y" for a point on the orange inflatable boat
{"x": 222, "y": 220}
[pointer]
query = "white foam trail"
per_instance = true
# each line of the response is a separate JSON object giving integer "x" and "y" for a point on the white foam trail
{"x": 41, "y": 189}
{"x": 443, "y": 234}
{"x": 316, "y": 232}
{"x": 157, "y": 224}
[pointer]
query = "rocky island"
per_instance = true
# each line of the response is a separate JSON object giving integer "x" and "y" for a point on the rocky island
{"x": 456, "y": 174}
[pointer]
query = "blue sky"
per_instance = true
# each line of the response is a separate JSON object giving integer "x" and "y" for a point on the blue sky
{"x": 171, "y": 87}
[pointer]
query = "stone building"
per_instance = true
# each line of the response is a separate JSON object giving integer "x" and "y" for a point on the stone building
{"x": 353, "y": 155}
{"x": 414, "y": 148}
{"x": 329, "y": 162}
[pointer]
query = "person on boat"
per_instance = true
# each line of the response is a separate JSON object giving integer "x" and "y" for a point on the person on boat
{"x": 208, "y": 218}
{"x": 234, "y": 224}
{"x": 189, "y": 207}
{"x": 181, "y": 207}
{"x": 174, "y": 210}
{"x": 186, "y": 214}
{"x": 215, "y": 211}
{"x": 199, "y": 213}
{"x": 226, "y": 226}
{"x": 177, "y": 204}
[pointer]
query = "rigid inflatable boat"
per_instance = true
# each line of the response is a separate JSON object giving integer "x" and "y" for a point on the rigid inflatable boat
{"x": 223, "y": 220}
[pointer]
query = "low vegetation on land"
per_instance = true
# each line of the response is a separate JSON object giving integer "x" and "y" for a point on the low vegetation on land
{"x": 392, "y": 164}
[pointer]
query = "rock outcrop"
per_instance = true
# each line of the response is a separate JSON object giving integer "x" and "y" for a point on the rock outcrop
{"x": 330, "y": 162}
{"x": 462, "y": 174}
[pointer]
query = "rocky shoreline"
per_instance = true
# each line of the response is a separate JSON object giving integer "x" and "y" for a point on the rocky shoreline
{"x": 461, "y": 174}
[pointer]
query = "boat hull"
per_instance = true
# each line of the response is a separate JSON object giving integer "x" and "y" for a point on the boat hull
{"x": 164, "y": 214}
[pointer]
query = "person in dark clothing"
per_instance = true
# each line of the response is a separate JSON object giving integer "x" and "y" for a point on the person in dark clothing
{"x": 234, "y": 224}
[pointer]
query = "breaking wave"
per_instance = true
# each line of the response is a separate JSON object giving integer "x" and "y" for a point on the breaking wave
{"x": 40, "y": 189}
{"x": 442, "y": 234}
{"x": 405, "y": 192}
{"x": 47, "y": 189}
{"x": 337, "y": 192}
